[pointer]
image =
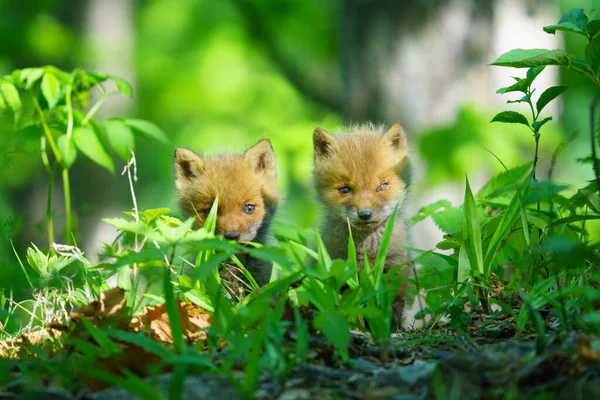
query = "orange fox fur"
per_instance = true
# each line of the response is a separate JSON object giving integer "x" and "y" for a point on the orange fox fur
{"x": 363, "y": 170}
{"x": 248, "y": 194}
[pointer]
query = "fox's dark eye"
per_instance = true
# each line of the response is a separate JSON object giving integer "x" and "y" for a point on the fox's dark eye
{"x": 206, "y": 211}
{"x": 249, "y": 208}
{"x": 344, "y": 190}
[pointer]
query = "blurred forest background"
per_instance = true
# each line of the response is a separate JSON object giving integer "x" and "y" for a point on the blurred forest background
{"x": 221, "y": 75}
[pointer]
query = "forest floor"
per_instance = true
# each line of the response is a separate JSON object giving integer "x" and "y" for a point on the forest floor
{"x": 485, "y": 362}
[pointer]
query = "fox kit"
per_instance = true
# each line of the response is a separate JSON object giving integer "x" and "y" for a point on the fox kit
{"x": 362, "y": 175}
{"x": 248, "y": 195}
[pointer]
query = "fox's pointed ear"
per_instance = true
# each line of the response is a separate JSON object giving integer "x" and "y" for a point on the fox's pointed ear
{"x": 262, "y": 156}
{"x": 396, "y": 137}
{"x": 323, "y": 143}
{"x": 188, "y": 165}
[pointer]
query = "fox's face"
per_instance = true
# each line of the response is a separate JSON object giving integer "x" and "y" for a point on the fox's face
{"x": 361, "y": 176}
{"x": 246, "y": 185}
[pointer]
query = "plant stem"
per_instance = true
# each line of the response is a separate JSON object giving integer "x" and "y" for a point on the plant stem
{"x": 536, "y": 135}
{"x": 535, "y": 161}
{"x": 93, "y": 110}
{"x": 46, "y": 129}
{"x": 49, "y": 211}
{"x": 593, "y": 138}
{"x": 68, "y": 218}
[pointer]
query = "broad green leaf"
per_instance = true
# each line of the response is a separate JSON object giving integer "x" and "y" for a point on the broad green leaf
{"x": 336, "y": 330}
{"x": 147, "y": 128}
{"x": 580, "y": 66}
{"x": 472, "y": 231}
{"x": 51, "y": 89}
{"x": 123, "y": 86}
{"x": 150, "y": 215}
{"x": 593, "y": 27}
{"x": 511, "y": 117}
{"x": 521, "y": 85}
{"x": 120, "y": 138}
{"x": 592, "y": 55}
{"x": 549, "y": 94}
{"x": 449, "y": 220}
{"x": 573, "y": 20}
{"x": 430, "y": 210}
{"x": 67, "y": 150}
{"x": 2, "y": 102}
{"x": 533, "y": 72}
{"x": 520, "y": 58}
{"x": 31, "y": 76}
{"x": 502, "y": 180}
{"x": 11, "y": 94}
{"x": 89, "y": 144}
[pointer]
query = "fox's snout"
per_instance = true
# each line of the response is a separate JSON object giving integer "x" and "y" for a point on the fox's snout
{"x": 365, "y": 214}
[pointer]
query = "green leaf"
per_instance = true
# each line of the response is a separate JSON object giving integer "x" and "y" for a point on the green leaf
{"x": 510, "y": 117}
{"x": 533, "y": 72}
{"x": 120, "y": 138}
{"x": 464, "y": 267}
{"x": 509, "y": 216}
{"x": 147, "y": 128}
{"x": 593, "y": 27}
{"x": 430, "y": 210}
{"x": 336, "y": 330}
{"x": 521, "y": 85}
{"x": 173, "y": 313}
{"x": 11, "y": 94}
{"x": 520, "y": 58}
{"x": 539, "y": 124}
{"x": 89, "y": 144}
{"x": 472, "y": 231}
{"x": 502, "y": 180}
{"x": 383, "y": 247}
{"x": 31, "y": 76}
{"x": 549, "y": 94}
{"x": 67, "y": 150}
{"x": 51, "y": 89}
{"x": 206, "y": 267}
{"x": 449, "y": 220}
{"x": 573, "y": 20}
{"x": 124, "y": 278}
{"x": 123, "y": 86}
{"x": 592, "y": 55}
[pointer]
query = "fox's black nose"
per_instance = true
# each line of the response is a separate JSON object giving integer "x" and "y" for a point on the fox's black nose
{"x": 232, "y": 235}
{"x": 365, "y": 214}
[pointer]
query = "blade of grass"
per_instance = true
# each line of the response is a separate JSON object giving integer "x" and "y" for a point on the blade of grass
{"x": 173, "y": 313}
{"x": 472, "y": 231}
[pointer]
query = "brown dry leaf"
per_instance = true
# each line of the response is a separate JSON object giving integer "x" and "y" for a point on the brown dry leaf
{"x": 38, "y": 338}
{"x": 110, "y": 308}
{"x": 194, "y": 320}
{"x": 6, "y": 348}
{"x": 584, "y": 347}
